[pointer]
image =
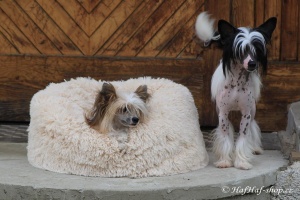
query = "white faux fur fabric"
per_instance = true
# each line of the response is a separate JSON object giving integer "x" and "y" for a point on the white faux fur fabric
{"x": 168, "y": 142}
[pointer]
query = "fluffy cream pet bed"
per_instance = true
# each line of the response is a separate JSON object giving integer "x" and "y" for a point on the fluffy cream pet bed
{"x": 168, "y": 142}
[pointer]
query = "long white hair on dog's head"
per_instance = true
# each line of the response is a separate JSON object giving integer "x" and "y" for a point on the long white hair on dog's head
{"x": 109, "y": 103}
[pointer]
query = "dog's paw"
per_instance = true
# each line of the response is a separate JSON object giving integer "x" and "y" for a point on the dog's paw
{"x": 223, "y": 163}
{"x": 258, "y": 151}
{"x": 242, "y": 164}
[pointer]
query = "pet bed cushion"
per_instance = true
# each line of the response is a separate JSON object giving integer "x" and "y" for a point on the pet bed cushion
{"x": 168, "y": 142}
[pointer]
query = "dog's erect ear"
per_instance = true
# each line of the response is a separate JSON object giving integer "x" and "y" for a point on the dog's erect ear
{"x": 141, "y": 91}
{"x": 103, "y": 99}
{"x": 267, "y": 28}
{"x": 225, "y": 29}
{"x": 108, "y": 92}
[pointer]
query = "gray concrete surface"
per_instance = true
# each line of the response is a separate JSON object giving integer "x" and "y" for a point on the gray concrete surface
{"x": 293, "y": 127}
{"x": 19, "y": 180}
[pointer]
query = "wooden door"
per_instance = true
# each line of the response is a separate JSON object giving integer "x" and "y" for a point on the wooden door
{"x": 43, "y": 41}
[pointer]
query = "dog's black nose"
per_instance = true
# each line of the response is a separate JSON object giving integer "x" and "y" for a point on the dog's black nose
{"x": 135, "y": 120}
{"x": 252, "y": 65}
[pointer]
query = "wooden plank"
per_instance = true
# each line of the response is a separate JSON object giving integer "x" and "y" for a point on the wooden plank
{"x": 89, "y": 21}
{"x": 112, "y": 23}
{"x": 243, "y": 13}
{"x": 289, "y": 30}
{"x": 24, "y": 75}
{"x": 133, "y": 23}
{"x": 273, "y": 9}
{"x": 183, "y": 43}
{"x": 89, "y": 5}
{"x": 49, "y": 27}
{"x": 259, "y": 13}
{"x": 15, "y": 37}
{"x": 77, "y": 13}
{"x": 101, "y": 12}
{"x": 161, "y": 38}
{"x": 67, "y": 25}
{"x": 6, "y": 47}
{"x": 149, "y": 28}
{"x": 28, "y": 28}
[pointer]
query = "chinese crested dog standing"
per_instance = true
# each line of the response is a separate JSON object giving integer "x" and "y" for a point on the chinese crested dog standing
{"x": 236, "y": 85}
{"x": 115, "y": 112}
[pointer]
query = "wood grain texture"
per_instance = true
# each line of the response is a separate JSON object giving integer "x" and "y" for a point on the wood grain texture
{"x": 243, "y": 13}
{"x": 129, "y": 28}
{"x": 170, "y": 29}
{"x": 19, "y": 82}
{"x": 21, "y": 20}
{"x": 150, "y": 27}
{"x": 273, "y": 9}
{"x": 14, "y": 36}
{"x": 53, "y": 40}
{"x": 289, "y": 30}
{"x": 49, "y": 27}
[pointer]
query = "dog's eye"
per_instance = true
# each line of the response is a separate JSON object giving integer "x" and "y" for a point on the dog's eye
{"x": 124, "y": 110}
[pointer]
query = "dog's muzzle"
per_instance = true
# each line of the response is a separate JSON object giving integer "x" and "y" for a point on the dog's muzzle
{"x": 252, "y": 66}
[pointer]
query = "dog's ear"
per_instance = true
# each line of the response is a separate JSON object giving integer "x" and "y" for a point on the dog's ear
{"x": 108, "y": 92}
{"x": 103, "y": 99}
{"x": 141, "y": 91}
{"x": 267, "y": 28}
{"x": 226, "y": 29}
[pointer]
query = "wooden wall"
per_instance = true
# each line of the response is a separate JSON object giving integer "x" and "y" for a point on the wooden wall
{"x": 43, "y": 41}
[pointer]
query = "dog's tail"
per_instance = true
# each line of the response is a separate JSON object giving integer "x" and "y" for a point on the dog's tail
{"x": 205, "y": 29}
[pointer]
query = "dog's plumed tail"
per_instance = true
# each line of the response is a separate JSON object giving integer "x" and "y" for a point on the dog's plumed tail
{"x": 205, "y": 28}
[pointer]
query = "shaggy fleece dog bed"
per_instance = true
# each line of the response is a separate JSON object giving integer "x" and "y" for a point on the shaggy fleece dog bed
{"x": 168, "y": 142}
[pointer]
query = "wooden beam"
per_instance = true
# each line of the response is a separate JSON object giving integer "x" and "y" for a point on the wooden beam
{"x": 22, "y": 76}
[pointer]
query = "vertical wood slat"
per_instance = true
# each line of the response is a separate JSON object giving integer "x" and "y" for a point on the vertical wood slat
{"x": 259, "y": 12}
{"x": 48, "y": 26}
{"x": 273, "y": 9}
{"x": 289, "y": 30}
{"x": 243, "y": 13}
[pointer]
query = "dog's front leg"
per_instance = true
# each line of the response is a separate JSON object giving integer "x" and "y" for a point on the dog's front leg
{"x": 223, "y": 141}
{"x": 244, "y": 149}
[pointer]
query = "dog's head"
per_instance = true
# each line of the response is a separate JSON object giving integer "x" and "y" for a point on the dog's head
{"x": 118, "y": 110}
{"x": 244, "y": 45}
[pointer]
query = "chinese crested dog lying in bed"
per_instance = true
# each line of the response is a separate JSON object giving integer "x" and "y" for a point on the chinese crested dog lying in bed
{"x": 236, "y": 86}
{"x": 115, "y": 112}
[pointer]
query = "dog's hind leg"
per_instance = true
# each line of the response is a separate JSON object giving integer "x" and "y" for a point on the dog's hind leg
{"x": 255, "y": 134}
{"x": 223, "y": 142}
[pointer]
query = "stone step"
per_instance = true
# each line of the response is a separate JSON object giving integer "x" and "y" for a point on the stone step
{"x": 19, "y": 180}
